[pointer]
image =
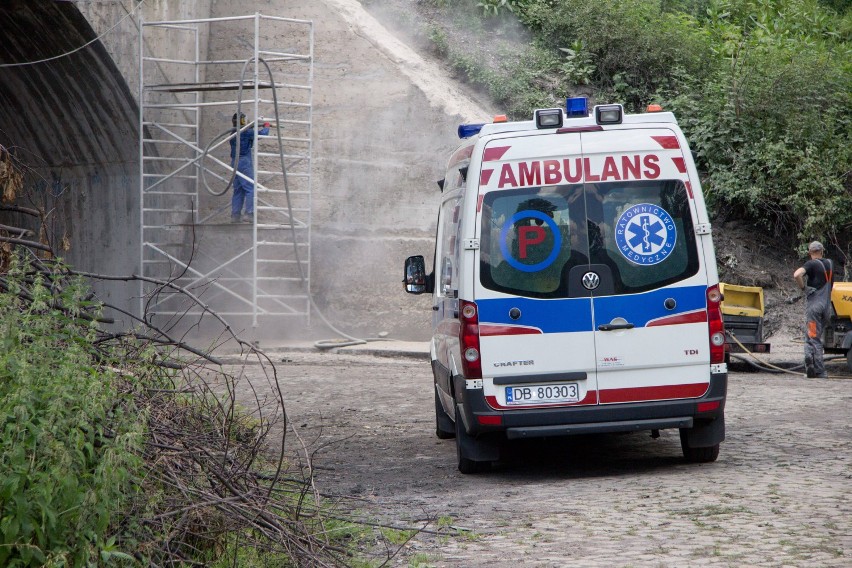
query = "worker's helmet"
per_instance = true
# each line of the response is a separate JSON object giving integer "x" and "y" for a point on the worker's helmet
{"x": 242, "y": 119}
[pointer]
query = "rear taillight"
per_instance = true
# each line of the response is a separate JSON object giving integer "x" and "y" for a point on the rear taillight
{"x": 717, "y": 329}
{"x": 469, "y": 340}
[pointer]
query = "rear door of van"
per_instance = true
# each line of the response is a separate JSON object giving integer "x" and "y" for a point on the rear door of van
{"x": 590, "y": 282}
{"x": 650, "y": 305}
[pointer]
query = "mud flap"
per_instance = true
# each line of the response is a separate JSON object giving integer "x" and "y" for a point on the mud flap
{"x": 706, "y": 434}
{"x": 481, "y": 449}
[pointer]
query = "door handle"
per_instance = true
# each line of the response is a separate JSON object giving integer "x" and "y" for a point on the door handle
{"x": 615, "y": 326}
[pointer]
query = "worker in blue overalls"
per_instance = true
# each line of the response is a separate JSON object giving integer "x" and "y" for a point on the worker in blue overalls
{"x": 243, "y": 188}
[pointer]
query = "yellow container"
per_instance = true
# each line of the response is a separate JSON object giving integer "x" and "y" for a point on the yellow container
{"x": 742, "y": 300}
{"x": 841, "y": 298}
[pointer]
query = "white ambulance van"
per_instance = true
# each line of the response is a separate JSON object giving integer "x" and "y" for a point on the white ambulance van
{"x": 574, "y": 285}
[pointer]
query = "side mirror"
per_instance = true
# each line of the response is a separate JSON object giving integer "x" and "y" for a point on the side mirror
{"x": 415, "y": 279}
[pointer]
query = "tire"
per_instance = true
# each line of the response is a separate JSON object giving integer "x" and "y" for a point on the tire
{"x": 444, "y": 427}
{"x": 849, "y": 360}
{"x": 467, "y": 466}
{"x": 697, "y": 455}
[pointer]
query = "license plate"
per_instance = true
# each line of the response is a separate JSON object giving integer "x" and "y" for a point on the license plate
{"x": 543, "y": 394}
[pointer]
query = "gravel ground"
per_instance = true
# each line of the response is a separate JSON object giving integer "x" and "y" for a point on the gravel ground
{"x": 779, "y": 495}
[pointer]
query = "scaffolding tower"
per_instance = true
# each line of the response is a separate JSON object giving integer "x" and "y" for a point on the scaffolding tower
{"x": 193, "y": 76}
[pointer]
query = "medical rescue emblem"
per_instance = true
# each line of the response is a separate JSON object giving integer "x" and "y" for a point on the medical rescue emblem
{"x": 591, "y": 280}
{"x": 529, "y": 239}
{"x": 645, "y": 234}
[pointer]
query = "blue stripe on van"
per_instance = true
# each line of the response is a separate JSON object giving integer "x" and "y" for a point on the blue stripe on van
{"x": 551, "y": 316}
{"x": 639, "y": 309}
{"x": 574, "y": 314}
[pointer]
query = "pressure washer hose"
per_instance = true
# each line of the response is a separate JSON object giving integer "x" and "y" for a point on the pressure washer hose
{"x": 321, "y": 344}
{"x": 766, "y": 366}
{"x": 224, "y": 135}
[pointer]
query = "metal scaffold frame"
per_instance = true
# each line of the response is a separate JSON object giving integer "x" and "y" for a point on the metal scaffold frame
{"x": 260, "y": 269}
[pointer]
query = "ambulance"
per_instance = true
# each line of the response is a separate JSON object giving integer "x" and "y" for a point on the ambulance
{"x": 574, "y": 285}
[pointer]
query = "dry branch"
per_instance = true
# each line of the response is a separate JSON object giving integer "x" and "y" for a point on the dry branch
{"x": 214, "y": 467}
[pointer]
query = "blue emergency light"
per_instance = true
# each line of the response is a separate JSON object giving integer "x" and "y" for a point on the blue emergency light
{"x": 577, "y": 106}
{"x": 468, "y": 130}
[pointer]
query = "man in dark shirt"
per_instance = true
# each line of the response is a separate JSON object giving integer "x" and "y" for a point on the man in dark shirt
{"x": 815, "y": 279}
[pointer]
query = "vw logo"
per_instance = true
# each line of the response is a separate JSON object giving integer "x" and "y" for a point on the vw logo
{"x": 591, "y": 280}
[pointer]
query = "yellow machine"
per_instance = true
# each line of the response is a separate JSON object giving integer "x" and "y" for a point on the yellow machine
{"x": 742, "y": 314}
{"x": 838, "y": 337}
{"x": 841, "y": 299}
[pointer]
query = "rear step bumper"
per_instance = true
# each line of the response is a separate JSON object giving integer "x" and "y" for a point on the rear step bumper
{"x": 597, "y": 428}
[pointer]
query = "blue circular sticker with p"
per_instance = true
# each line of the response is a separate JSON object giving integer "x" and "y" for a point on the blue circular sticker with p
{"x": 529, "y": 238}
{"x": 645, "y": 234}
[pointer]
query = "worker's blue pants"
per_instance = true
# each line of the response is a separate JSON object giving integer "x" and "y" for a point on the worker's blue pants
{"x": 243, "y": 193}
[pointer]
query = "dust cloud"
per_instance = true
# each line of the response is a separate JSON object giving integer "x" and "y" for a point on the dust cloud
{"x": 426, "y": 75}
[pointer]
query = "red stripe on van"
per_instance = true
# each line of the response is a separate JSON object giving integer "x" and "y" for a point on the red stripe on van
{"x": 495, "y": 153}
{"x": 698, "y": 316}
{"x": 667, "y": 142}
{"x": 688, "y": 189}
{"x": 680, "y": 165}
{"x": 479, "y": 203}
{"x": 491, "y": 330}
{"x": 591, "y": 398}
{"x": 664, "y": 392}
{"x": 485, "y": 176}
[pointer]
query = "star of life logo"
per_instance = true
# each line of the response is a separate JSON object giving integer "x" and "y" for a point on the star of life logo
{"x": 645, "y": 234}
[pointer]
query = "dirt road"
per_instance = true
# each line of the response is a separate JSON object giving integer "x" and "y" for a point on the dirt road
{"x": 779, "y": 495}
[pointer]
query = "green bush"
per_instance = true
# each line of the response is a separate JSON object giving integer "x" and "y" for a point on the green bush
{"x": 633, "y": 45}
{"x": 772, "y": 132}
{"x": 68, "y": 446}
{"x": 762, "y": 88}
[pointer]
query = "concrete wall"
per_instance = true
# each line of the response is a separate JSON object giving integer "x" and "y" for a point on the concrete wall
{"x": 381, "y": 138}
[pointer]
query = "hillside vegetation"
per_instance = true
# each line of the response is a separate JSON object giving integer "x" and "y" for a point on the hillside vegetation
{"x": 761, "y": 88}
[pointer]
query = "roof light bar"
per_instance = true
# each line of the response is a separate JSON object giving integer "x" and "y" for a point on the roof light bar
{"x": 548, "y": 118}
{"x": 577, "y": 106}
{"x": 468, "y": 130}
{"x": 609, "y": 114}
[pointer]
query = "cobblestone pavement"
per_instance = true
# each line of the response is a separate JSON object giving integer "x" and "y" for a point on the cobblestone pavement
{"x": 779, "y": 495}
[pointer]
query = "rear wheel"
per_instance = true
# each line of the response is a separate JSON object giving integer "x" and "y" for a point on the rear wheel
{"x": 444, "y": 427}
{"x": 849, "y": 359}
{"x": 697, "y": 455}
{"x": 464, "y": 442}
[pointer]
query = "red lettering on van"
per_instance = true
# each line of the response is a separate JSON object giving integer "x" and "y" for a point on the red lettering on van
{"x": 529, "y": 235}
{"x": 552, "y": 176}
{"x": 610, "y": 170}
{"x": 574, "y": 170}
{"x": 578, "y": 170}
{"x": 530, "y": 173}
{"x": 630, "y": 166}
{"x": 507, "y": 177}
{"x": 652, "y": 166}
{"x": 587, "y": 169}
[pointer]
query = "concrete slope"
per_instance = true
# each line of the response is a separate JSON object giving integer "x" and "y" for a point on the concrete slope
{"x": 383, "y": 126}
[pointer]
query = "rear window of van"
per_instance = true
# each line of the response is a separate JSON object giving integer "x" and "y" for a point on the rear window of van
{"x": 532, "y": 237}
